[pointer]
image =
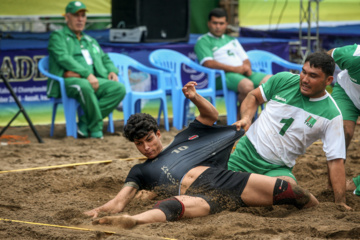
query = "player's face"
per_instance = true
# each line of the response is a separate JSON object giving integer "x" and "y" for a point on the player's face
{"x": 217, "y": 26}
{"x": 313, "y": 81}
{"x": 76, "y": 22}
{"x": 150, "y": 145}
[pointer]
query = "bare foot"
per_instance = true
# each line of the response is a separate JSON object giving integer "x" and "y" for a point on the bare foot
{"x": 124, "y": 221}
{"x": 350, "y": 185}
{"x": 345, "y": 206}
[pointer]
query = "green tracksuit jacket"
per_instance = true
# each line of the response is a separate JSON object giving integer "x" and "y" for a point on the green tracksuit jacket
{"x": 65, "y": 54}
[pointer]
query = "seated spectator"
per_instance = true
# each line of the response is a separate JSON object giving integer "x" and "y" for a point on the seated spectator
{"x": 90, "y": 76}
{"x": 221, "y": 51}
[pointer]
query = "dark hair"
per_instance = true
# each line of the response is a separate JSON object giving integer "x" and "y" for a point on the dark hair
{"x": 139, "y": 125}
{"x": 323, "y": 61}
{"x": 217, "y": 12}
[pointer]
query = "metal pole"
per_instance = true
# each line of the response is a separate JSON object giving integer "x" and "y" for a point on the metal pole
{"x": 21, "y": 109}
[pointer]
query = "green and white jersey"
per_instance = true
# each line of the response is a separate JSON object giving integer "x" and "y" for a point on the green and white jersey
{"x": 291, "y": 122}
{"x": 348, "y": 60}
{"x": 224, "y": 49}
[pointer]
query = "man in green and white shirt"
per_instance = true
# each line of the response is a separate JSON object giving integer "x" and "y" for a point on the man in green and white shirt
{"x": 220, "y": 51}
{"x": 298, "y": 112}
{"x": 346, "y": 93}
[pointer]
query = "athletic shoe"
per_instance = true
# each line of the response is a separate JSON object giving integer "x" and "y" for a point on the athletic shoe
{"x": 82, "y": 130}
{"x": 98, "y": 135}
{"x": 81, "y": 134}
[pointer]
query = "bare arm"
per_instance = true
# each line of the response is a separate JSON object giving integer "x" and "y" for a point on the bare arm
{"x": 336, "y": 169}
{"x": 248, "y": 108}
{"x": 330, "y": 52}
{"x": 208, "y": 113}
{"x": 115, "y": 205}
{"x": 244, "y": 69}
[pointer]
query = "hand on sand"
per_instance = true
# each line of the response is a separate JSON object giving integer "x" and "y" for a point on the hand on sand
{"x": 124, "y": 221}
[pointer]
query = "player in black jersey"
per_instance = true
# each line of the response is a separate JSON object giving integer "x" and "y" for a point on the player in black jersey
{"x": 193, "y": 168}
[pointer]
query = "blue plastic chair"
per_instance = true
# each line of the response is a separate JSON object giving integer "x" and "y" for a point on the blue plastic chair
{"x": 263, "y": 61}
{"x": 71, "y": 106}
{"x": 230, "y": 99}
{"x": 172, "y": 62}
{"x": 132, "y": 100}
{"x": 229, "y": 96}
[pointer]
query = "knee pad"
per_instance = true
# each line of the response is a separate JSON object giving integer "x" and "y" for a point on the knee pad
{"x": 172, "y": 207}
{"x": 285, "y": 193}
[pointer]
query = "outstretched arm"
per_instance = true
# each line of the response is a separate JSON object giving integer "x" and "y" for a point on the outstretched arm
{"x": 115, "y": 205}
{"x": 336, "y": 169}
{"x": 248, "y": 108}
{"x": 208, "y": 113}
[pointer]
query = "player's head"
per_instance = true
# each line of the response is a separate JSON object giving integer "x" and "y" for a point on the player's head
{"x": 142, "y": 129}
{"x": 323, "y": 61}
{"x": 217, "y": 22}
{"x": 316, "y": 74}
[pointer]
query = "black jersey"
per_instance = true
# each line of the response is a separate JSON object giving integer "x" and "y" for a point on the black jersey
{"x": 198, "y": 145}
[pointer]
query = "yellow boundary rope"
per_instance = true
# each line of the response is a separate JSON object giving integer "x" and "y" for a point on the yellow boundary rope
{"x": 72, "y": 165}
{"x": 75, "y": 228}
{"x": 51, "y": 225}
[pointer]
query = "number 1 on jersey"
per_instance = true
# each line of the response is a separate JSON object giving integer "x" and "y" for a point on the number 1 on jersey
{"x": 288, "y": 122}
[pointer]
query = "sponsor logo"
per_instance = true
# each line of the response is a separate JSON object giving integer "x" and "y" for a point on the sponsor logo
{"x": 230, "y": 53}
{"x": 280, "y": 98}
{"x": 193, "y": 137}
{"x": 310, "y": 121}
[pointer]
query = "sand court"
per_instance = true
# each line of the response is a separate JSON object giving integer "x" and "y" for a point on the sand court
{"x": 45, "y": 188}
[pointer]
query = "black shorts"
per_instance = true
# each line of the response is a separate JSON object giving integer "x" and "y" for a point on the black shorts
{"x": 220, "y": 188}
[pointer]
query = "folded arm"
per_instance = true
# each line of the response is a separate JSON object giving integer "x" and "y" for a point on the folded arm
{"x": 244, "y": 69}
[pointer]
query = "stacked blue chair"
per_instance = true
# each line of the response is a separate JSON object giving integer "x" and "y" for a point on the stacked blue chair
{"x": 71, "y": 106}
{"x": 172, "y": 61}
{"x": 132, "y": 100}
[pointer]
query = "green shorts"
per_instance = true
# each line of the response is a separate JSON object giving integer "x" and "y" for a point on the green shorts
{"x": 233, "y": 79}
{"x": 347, "y": 107}
{"x": 246, "y": 159}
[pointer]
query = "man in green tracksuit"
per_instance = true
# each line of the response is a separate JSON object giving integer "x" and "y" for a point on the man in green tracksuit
{"x": 90, "y": 76}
